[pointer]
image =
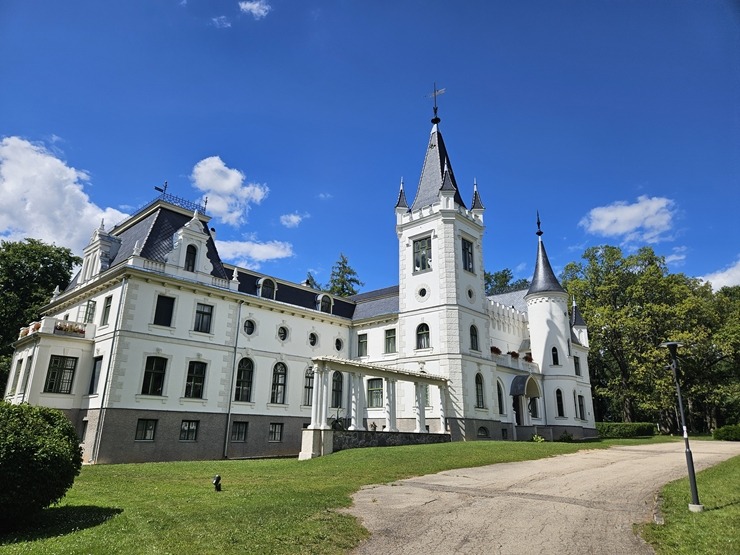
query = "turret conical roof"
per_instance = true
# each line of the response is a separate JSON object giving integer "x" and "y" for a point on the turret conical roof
{"x": 436, "y": 174}
{"x": 544, "y": 279}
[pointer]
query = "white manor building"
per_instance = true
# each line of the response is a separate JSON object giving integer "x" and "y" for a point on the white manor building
{"x": 159, "y": 351}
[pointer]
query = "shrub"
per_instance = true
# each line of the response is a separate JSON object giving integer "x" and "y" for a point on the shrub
{"x": 537, "y": 438}
{"x": 625, "y": 429}
{"x": 40, "y": 456}
{"x": 566, "y": 437}
{"x": 728, "y": 433}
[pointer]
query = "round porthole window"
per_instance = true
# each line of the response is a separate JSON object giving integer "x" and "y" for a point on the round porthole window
{"x": 422, "y": 292}
{"x": 313, "y": 339}
{"x": 249, "y": 327}
{"x": 338, "y": 344}
{"x": 282, "y": 333}
{"x": 471, "y": 294}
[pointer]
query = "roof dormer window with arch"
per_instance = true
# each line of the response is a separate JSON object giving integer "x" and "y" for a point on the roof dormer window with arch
{"x": 423, "y": 254}
{"x": 191, "y": 253}
{"x": 324, "y": 303}
{"x": 266, "y": 288}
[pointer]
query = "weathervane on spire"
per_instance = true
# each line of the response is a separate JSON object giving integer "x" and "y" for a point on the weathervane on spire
{"x": 539, "y": 231}
{"x": 434, "y": 95}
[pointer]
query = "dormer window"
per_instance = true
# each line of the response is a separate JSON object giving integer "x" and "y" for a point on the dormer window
{"x": 423, "y": 254}
{"x": 190, "y": 254}
{"x": 267, "y": 288}
{"x": 324, "y": 303}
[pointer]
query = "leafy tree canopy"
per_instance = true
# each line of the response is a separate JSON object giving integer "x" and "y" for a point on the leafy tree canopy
{"x": 312, "y": 283}
{"x": 343, "y": 280}
{"x": 503, "y": 282}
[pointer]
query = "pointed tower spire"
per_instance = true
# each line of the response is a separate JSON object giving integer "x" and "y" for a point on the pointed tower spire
{"x": 476, "y": 204}
{"x": 575, "y": 316}
{"x": 401, "y": 202}
{"x": 544, "y": 279}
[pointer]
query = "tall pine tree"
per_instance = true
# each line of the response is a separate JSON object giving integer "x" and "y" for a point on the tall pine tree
{"x": 343, "y": 281}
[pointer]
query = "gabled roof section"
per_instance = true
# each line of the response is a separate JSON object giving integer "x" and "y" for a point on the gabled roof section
{"x": 436, "y": 174}
{"x": 544, "y": 279}
{"x": 381, "y": 302}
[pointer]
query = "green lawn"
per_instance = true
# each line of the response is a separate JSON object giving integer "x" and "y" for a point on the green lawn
{"x": 714, "y": 531}
{"x": 266, "y": 506}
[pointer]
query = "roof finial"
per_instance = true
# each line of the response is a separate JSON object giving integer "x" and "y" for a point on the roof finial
{"x": 435, "y": 94}
{"x": 539, "y": 231}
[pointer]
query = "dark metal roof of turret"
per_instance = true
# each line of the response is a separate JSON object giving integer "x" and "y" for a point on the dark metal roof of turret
{"x": 575, "y": 316}
{"x": 477, "y": 204}
{"x": 436, "y": 174}
{"x": 544, "y": 279}
{"x": 401, "y": 202}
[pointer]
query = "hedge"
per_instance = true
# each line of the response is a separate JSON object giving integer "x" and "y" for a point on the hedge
{"x": 731, "y": 432}
{"x": 625, "y": 429}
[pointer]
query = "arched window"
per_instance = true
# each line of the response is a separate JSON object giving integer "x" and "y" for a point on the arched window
{"x": 279, "y": 378}
{"x": 244, "y": 375}
{"x": 559, "y": 399}
{"x": 500, "y": 398}
{"x": 422, "y": 336}
{"x": 483, "y": 432}
{"x": 325, "y": 303}
{"x": 534, "y": 407}
{"x": 190, "y": 253}
{"x": 308, "y": 387}
{"x": 267, "y": 288}
{"x": 474, "y": 338}
{"x": 555, "y": 357}
{"x": 337, "y": 382}
{"x": 479, "y": 392}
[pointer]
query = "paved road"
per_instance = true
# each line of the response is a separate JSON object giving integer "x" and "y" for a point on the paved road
{"x": 586, "y": 502}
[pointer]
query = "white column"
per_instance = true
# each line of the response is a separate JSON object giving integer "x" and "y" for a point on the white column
{"x": 324, "y": 397}
{"x": 419, "y": 408}
{"x": 442, "y": 405}
{"x": 315, "y": 399}
{"x": 352, "y": 387}
{"x": 388, "y": 401}
{"x": 392, "y": 395}
{"x": 361, "y": 402}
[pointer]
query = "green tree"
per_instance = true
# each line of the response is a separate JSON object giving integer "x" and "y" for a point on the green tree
{"x": 312, "y": 283}
{"x": 503, "y": 282}
{"x": 343, "y": 280}
{"x": 30, "y": 270}
{"x": 40, "y": 456}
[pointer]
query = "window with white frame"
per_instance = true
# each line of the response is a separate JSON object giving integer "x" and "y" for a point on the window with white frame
{"x": 60, "y": 375}
{"x": 190, "y": 254}
{"x": 196, "y": 379}
{"x": 308, "y": 387}
{"x": 423, "y": 254}
{"x": 559, "y": 402}
{"x": 577, "y": 364}
{"x": 239, "y": 431}
{"x": 203, "y": 317}
{"x": 244, "y": 377}
{"x": 390, "y": 340}
{"x": 555, "y": 357}
{"x": 500, "y": 398}
{"x": 534, "y": 410}
{"x": 362, "y": 345}
{"x": 474, "y": 338}
{"x": 107, "y": 303}
{"x": 267, "y": 288}
{"x": 154, "y": 372}
{"x": 337, "y": 385}
{"x": 467, "y": 255}
{"x": 375, "y": 393}
{"x": 189, "y": 430}
{"x": 422, "y": 337}
{"x": 275, "y": 433}
{"x": 479, "y": 397}
{"x": 89, "y": 312}
{"x": 279, "y": 379}
{"x": 95, "y": 375}
{"x": 163, "y": 310}
{"x": 581, "y": 407}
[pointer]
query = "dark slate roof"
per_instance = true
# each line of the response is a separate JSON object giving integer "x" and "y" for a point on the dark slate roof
{"x": 575, "y": 317}
{"x": 401, "y": 202}
{"x": 435, "y": 174}
{"x": 512, "y": 298}
{"x": 477, "y": 204}
{"x": 376, "y": 303}
{"x": 544, "y": 279}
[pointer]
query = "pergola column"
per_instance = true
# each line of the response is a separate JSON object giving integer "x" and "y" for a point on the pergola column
{"x": 392, "y": 395}
{"x": 442, "y": 405}
{"x": 355, "y": 388}
{"x": 323, "y": 385}
{"x": 419, "y": 407}
{"x": 315, "y": 400}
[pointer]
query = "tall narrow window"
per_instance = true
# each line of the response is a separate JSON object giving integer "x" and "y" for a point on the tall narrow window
{"x": 163, "y": 311}
{"x": 474, "y": 338}
{"x": 267, "y": 289}
{"x": 239, "y": 431}
{"x": 279, "y": 377}
{"x": 95, "y": 376}
{"x": 154, "y": 372}
{"x": 275, "y": 433}
{"x": 422, "y": 337}
{"x": 196, "y": 379}
{"x": 479, "y": 400}
{"x": 60, "y": 375}
{"x": 390, "y": 340}
{"x": 534, "y": 408}
{"x": 337, "y": 385}
{"x": 500, "y": 398}
{"x": 145, "y": 429}
{"x": 555, "y": 357}
{"x": 203, "y": 315}
{"x": 422, "y": 254}
{"x": 362, "y": 345}
{"x": 244, "y": 375}
{"x": 467, "y": 255}
{"x": 16, "y": 376}
{"x": 106, "y": 310}
{"x": 308, "y": 387}
{"x": 581, "y": 408}
{"x": 190, "y": 254}
{"x": 89, "y": 312}
{"x": 577, "y": 364}
{"x": 375, "y": 393}
{"x": 559, "y": 400}
{"x": 189, "y": 430}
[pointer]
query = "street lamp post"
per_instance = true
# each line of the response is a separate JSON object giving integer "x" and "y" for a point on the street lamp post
{"x": 694, "y": 506}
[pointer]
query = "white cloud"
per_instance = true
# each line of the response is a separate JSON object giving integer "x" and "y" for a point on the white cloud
{"x": 44, "y": 198}
{"x": 229, "y": 198}
{"x": 325, "y": 196}
{"x": 256, "y": 8}
{"x": 726, "y": 277}
{"x": 292, "y": 220}
{"x": 677, "y": 257}
{"x": 646, "y": 221}
{"x": 251, "y": 253}
{"x": 221, "y": 22}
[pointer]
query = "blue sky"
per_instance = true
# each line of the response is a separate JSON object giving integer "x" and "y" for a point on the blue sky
{"x": 618, "y": 120}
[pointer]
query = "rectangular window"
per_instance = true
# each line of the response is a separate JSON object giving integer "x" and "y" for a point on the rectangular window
{"x": 375, "y": 393}
{"x": 467, "y": 255}
{"x": 581, "y": 408}
{"x": 308, "y": 387}
{"x": 60, "y": 375}
{"x": 163, "y": 311}
{"x": 16, "y": 376}
{"x": 422, "y": 254}
{"x": 203, "y": 314}
{"x": 276, "y": 432}
{"x": 26, "y": 375}
{"x": 89, "y": 312}
{"x": 95, "y": 376}
{"x": 189, "y": 430}
{"x": 390, "y": 341}
{"x": 362, "y": 345}
{"x": 107, "y": 303}
{"x": 577, "y": 363}
{"x": 145, "y": 429}
{"x": 196, "y": 379}
{"x": 239, "y": 431}
{"x": 154, "y": 372}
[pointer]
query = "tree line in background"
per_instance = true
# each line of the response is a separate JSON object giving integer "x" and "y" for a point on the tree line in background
{"x": 631, "y": 304}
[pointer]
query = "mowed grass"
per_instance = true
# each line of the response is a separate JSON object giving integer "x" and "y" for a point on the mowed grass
{"x": 714, "y": 531}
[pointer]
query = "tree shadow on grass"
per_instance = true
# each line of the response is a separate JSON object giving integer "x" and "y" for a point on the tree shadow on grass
{"x": 56, "y": 521}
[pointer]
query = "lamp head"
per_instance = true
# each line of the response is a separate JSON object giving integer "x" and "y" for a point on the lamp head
{"x": 672, "y": 346}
